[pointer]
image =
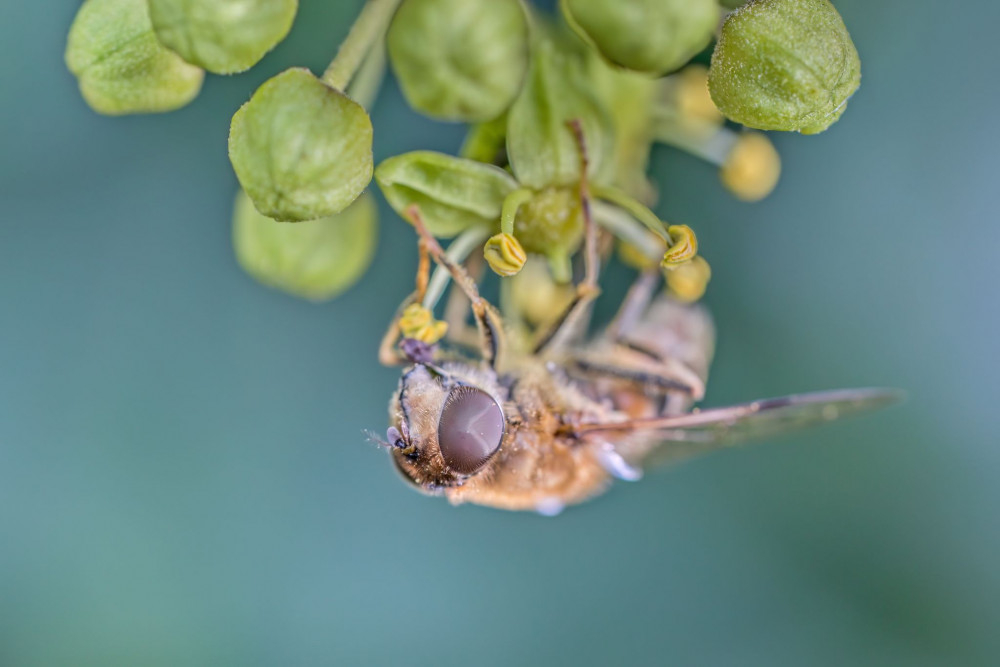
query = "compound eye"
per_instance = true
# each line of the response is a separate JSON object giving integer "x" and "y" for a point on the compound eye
{"x": 470, "y": 429}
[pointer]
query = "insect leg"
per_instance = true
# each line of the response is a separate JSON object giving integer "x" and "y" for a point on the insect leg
{"x": 588, "y": 289}
{"x": 487, "y": 318}
{"x": 635, "y": 304}
{"x": 388, "y": 353}
{"x": 648, "y": 374}
{"x": 456, "y": 310}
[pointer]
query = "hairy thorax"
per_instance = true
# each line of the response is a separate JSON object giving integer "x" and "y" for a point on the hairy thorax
{"x": 541, "y": 462}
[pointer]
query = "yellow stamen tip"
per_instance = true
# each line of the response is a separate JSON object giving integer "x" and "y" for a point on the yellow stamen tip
{"x": 416, "y": 322}
{"x": 753, "y": 167}
{"x": 504, "y": 254}
{"x": 683, "y": 246}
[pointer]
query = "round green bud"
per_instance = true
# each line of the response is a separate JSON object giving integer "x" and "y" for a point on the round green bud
{"x": 315, "y": 260}
{"x": 222, "y": 36}
{"x": 784, "y": 65}
{"x": 732, "y": 4}
{"x": 120, "y": 65}
{"x": 461, "y": 60}
{"x": 301, "y": 149}
{"x": 654, "y": 36}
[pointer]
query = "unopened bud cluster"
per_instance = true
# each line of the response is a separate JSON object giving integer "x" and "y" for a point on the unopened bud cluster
{"x": 563, "y": 112}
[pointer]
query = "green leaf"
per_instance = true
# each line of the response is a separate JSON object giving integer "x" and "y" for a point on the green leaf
{"x": 453, "y": 193}
{"x": 784, "y": 65}
{"x": 540, "y": 145}
{"x": 119, "y": 64}
{"x": 652, "y": 36}
{"x": 301, "y": 149}
{"x": 223, "y": 36}
{"x": 315, "y": 260}
{"x": 460, "y": 60}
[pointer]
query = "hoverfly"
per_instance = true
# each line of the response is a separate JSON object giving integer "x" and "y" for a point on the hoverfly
{"x": 542, "y": 421}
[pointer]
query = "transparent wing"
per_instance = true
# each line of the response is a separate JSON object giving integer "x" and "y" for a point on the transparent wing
{"x": 703, "y": 431}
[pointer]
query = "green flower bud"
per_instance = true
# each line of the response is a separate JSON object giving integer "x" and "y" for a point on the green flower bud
{"x": 784, "y": 65}
{"x": 301, "y": 149}
{"x": 315, "y": 260}
{"x": 541, "y": 147}
{"x": 223, "y": 36}
{"x": 653, "y": 36}
{"x": 120, "y": 65}
{"x": 460, "y": 60}
{"x": 452, "y": 193}
{"x": 732, "y": 4}
{"x": 504, "y": 254}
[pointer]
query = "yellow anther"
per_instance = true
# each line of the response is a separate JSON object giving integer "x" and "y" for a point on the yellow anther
{"x": 417, "y": 322}
{"x": 683, "y": 246}
{"x": 693, "y": 100}
{"x": 504, "y": 254}
{"x": 433, "y": 332}
{"x": 752, "y": 167}
{"x": 414, "y": 317}
{"x": 689, "y": 281}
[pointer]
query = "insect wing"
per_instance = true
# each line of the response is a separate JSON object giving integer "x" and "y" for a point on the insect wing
{"x": 705, "y": 431}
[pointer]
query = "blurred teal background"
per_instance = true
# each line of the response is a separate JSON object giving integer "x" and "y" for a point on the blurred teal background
{"x": 183, "y": 474}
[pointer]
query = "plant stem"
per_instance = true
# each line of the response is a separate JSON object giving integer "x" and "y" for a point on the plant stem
{"x": 368, "y": 29}
{"x": 511, "y": 204}
{"x": 626, "y": 228}
{"x": 634, "y": 208}
{"x": 367, "y": 82}
{"x": 704, "y": 140}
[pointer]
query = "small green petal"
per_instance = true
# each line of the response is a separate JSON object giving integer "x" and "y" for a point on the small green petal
{"x": 301, "y": 149}
{"x": 461, "y": 60}
{"x": 542, "y": 148}
{"x": 223, "y": 36}
{"x": 452, "y": 193}
{"x": 315, "y": 260}
{"x": 120, "y": 65}
{"x": 630, "y": 99}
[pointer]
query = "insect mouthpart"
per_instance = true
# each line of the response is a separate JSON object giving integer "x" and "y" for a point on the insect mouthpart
{"x": 400, "y": 442}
